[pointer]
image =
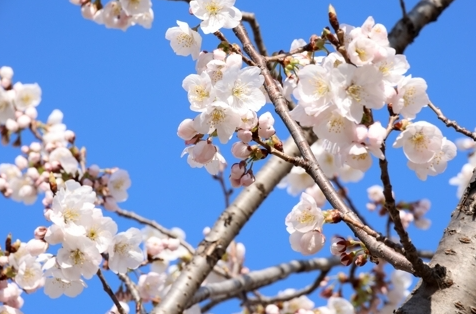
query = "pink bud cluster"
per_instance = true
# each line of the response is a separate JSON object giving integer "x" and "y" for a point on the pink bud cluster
{"x": 118, "y": 14}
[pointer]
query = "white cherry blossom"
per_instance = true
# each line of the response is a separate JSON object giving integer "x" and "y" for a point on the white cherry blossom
{"x": 241, "y": 89}
{"x": 27, "y": 95}
{"x": 7, "y": 110}
{"x": 218, "y": 116}
{"x": 132, "y": 7}
{"x": 411, "y": 97}
{"x": 215, "y": 14}
{"x": 65, "y": 158}
{"x": 29, "y": 274}
{"x": 200, "y": 91}
{"x": 124, "y": 251}
{"x": 184, "y": 40}
{"x": 437, "y": 164}
{"x": 78, "y": 256}
{"x": 118, "y": 184}
{"x": 420, "y": 141}
{"x": 305, "y": 216}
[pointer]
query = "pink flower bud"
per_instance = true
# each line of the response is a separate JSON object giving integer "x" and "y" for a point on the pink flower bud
{"x": 173, "y": 244}
{"x": 33, "y": 173}
{"x": 40, "y": 232}
{"x": 88, "y": 10}
{"x": 360, "y": 134}
{"x": 35, "y": 146}
{"x": 36, "y": 247}
{"x": 34, "y": 157}
{"x": 237, "y": 170}
{"x": 110, "y": 204}
{"x": 240, "y": 150}
{"x": 31, "y": 112}
{"x": 272, "y": 309}
{"x": 94, "y": 170}
{"x": 266, "y": 122}
{"x": 376, "y": 134}
{"x": 11, "y": 125}
{"x": 21, "y": 162}
{"x": 235, "y": 183}
{"x": 249, "y": 120}
{"x": 6, "y": 72}
{"x": 248, "y": 179}
{"x": 3, "y": 262}
{"x": 25, "y": 149}
{"x": 69, "y": 136}
{"x": 24, "y": 121}
{"x": 346, "y": 259}
{"x": 203, "y": 152}
{"x": 87, "y": 182}
{"x": 154, "y": 246}
{"x": 312, "y": 242}
{"x": 338, "y": 245}
{"x": 240, "y": 251}
{"x": 245, "y": 135}
{"x": 186, "y": 130}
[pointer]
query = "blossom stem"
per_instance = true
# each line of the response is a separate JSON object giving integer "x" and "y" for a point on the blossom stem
{"x": 222, "y": 37}
{"x": 451, "y": 123}
{"x": 133, "y": 290}
{"x": 251, "y": 19}
{"x": 111, "y": 294}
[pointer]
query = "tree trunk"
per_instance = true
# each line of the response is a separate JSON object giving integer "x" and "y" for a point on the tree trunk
{"x": 457, "y": 253}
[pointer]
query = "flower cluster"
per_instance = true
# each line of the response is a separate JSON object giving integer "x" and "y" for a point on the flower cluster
{"x": 336, "y": 94}
{"x": 409, "y": 211}
{"x": 303, "y": 305}
{"x": 118, "y": 14}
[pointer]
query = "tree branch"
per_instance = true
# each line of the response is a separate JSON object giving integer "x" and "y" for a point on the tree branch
{"x": 111, "y": 294}
{"x": 223, "y": 232}
{"x": 134, "y": 293}
{"x": 155, "y": 225}
{"x": 260, "y": 278}
{"x": 451, "y": 123}
{"x": 408, "y": 28}
{"x": 251, "y": 19}
{"x": 312, "y": 168}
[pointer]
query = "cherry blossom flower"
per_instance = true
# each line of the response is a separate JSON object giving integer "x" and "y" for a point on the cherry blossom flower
{"x": 151, "y": 285}
{"x": 27, "y": 95}
{"x": 118, "y": 184}
{"x": 200, "y": 91}
{"x": 65, "y": 158}
{"x": 124, "y": 251}
{"x": 437, "y": 164}
{"x": 463, "y": 178}
{"x": 314, "y": 87}
{"x": 219, "y": 117}
{"x": 184, "y": 40}
{"x": 411, "y": 97}
{"x": 305, "y": 216}
{"x": 29, "y": 274}
{"x": 241, "y": 89}
{"x": 421, "y": 141}
{"x": 296, "y": 304}
{"x": 336, "y": 305}
{"x": 7, "y": 110}
{"x": 5, "y": 309}
{"x": 132, "y": 7}
{"x": 78, "y": 256}
{"x": 215, "y": 14}
{"x": 266, "y": 129}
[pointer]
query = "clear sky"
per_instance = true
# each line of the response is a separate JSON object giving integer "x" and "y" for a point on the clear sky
{"x": 121, "y": 93}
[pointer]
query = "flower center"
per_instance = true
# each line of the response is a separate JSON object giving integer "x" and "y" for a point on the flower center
{"x": 70, "y": 215}
{"x": 408, "y": 97}
{"x": 239, "y": 89}
{"x": 361, "y": 53}
{"x": 213, "y": 8}
{"x": 306, "y": 217}
{"x": 201, "y": 93}
{"x": 185, "y": 40}
{"x": 321, "y": 88}
{"x": 218, "y": 115}
{"x": 355, "y": 91}
{"x": 77, "y": 257}
{"x": 419, "y": 141}
{"x": 121, "y": 248}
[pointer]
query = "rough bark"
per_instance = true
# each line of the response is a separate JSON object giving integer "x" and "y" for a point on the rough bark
{"x": 457, "y": 253}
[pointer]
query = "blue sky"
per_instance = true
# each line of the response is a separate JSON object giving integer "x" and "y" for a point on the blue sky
{"x": 121, "y": 93}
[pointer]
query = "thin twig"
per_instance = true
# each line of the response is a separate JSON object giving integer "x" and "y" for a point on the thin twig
{"x": 451, "y": 123}
{"x": 404, "y": 10}
{"x": 263, "y": 300}
{"x": 311, "y": 166}
{"x": 226, "y": 192}
{"x": 296, "y": 161}
{"x": 251, "y": 19}
{"x": 155, "y": 225}
{"x": 134, "y": 293}
{"x": 260, "y": 278}
{"x": 111, "y": 294}
{"x": 420, "y": 269}
{"x": 280, "y": 57}
{"x": 235, "y": 48}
